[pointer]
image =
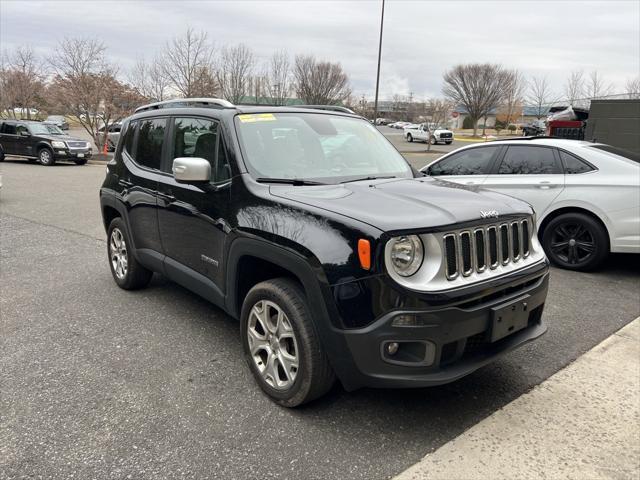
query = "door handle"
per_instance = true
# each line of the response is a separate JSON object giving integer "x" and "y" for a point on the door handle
{"x": 544, "y": 185}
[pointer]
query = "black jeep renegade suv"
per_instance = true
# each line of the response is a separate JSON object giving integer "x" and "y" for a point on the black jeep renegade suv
{"x": 338, "y": 259}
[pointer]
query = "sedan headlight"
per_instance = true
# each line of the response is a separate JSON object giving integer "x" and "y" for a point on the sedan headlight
{"x": 407, "y": 254}
{"x": 58, "y": 144}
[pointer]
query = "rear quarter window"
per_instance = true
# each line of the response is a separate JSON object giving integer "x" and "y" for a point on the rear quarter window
{"x": 573, "y": 165}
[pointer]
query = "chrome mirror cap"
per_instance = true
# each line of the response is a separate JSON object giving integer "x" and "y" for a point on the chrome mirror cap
{"x": 191, "y": 169}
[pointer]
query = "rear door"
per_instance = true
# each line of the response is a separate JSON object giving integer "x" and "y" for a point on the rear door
{"x": 468, "y": 167}
{"x": 8, "y": 137}
{"x": 142, "y": 157}
{"x": 532, "y": 173}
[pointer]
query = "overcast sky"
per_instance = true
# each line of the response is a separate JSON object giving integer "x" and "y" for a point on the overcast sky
{"x": 421, "y": 38}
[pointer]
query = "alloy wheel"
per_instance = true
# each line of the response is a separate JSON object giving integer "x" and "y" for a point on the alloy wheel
{"x": 572, "y": 243}
{"x": 118, "y": 253}
{"x": 272, "y": 345}
{"x": 45, "y": 157}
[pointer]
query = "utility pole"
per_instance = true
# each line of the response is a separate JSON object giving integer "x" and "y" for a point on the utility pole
{"x": 375, "y": 105}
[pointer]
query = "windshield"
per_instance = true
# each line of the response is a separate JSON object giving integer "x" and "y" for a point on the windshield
{"x": 44, "y": 129}
{"x": 317, "y": 147}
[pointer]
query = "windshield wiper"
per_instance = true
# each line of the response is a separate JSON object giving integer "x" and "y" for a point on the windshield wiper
{"x": 289, "y": 181}
{"x": 369, "y": 178}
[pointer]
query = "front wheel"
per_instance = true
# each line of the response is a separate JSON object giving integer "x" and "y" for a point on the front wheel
{"x": 576, "y": 241}
{"x": 432, "y": 140}
{"x": 80, "y": 161}
{"x": 448, "y": 143}
{"x": 409, "y": 138}
{"x": 281, "y": 345}
{"x": 45, "y": 157}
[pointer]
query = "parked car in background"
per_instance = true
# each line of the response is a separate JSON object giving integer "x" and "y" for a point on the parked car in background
{"x": 59, "y": 121}
{"x": 43, "y": 142}
{"x": 428, "y": 133}
{"x": 113, "y": 135}
{"x": 312, "y": 230}
{"x": 586, "y": 195}
{"x": 382, "y": 121}
{"x": 534, "y": 129}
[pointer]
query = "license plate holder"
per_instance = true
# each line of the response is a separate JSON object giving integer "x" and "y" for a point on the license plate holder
{"x": 509, "y": 318}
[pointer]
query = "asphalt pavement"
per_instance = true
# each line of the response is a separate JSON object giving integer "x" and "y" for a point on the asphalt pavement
{"x": 97, "y": 382}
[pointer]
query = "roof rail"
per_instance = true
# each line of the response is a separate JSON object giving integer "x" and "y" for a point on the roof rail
{"x": 334, "y": 108}
{"x": 187, "y": 102}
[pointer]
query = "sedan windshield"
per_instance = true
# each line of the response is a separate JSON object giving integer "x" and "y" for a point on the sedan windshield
{"x": 316, "y": 147}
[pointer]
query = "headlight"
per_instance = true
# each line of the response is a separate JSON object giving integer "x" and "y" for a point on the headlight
{"x": 407, "y": 254}
{"x": 88, "y": 145}
{"x": 57, "y": 144}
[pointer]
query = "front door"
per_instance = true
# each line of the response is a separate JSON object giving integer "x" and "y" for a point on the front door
{"x": 192, "y": 217}
{"x": 530, "y": 173}
{"x": 468, "y": 167}
{"x": 23, "y": 141}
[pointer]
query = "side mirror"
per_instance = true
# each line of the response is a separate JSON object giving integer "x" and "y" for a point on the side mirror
{"x": 191, "y": 170}
{"x": 24, "y": 133}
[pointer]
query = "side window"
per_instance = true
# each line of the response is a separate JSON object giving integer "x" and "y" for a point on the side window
{"x": 198, "y": 137}
{"x": 521, "y": 160}
{"x": 474, "y": 161}
{"x": 150, "y": 139}
{"x": 573, "y": 164}
{"x": 129, "y": 137}
{"x": 21, "y": 128}
{"x": 9, "y": 128}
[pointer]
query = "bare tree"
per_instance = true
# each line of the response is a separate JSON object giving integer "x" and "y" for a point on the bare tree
{"x": 86, "y": 86}
{"x": 149, "y": 80}
{"x": 632, "y": 87}
{"x": 574, "y": 88}
{"x": 320, "y": 83}
{"x": 514, "y": 88}
{"x": 477, "y": 87}
{"x": 540, "y": 96}
{"x": 596, "y": 86}
{"x": 234, "y": 71}
{"x": 187, "y": 63}
{"x": 21, "y": 82}
{"x": 278, "y": 77}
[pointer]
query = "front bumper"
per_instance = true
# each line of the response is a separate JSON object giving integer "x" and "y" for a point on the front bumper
{"x": 457, "y": 339}
{"x": 71, "y": 153}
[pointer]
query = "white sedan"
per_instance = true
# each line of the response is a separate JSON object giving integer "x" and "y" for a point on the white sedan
{"x": 586, "y": 195}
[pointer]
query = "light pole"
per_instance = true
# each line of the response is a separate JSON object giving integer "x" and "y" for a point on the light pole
{"x": 375, "y": 105}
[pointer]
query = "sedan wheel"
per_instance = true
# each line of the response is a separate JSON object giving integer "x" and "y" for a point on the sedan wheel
{"x": 575, "y": 241}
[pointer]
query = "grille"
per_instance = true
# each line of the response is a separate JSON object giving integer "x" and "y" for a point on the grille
{"x": 446, "y": 135}
{"x": 77, "y": 144}
{"x": 486, "y": 248}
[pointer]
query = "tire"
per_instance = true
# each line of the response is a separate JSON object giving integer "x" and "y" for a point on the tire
{"x": 300, "y": 369}
{"x": 80, "y": 161}
{"x": 432, "y": 140}
{"x": 127, "y": 272}
{"x": 409, "y": 138}
{"x": 1, "y": 155}
{"x": 45, "y": 157}
{"x": 576, "y": 241}
{"x": 448, "y": 143}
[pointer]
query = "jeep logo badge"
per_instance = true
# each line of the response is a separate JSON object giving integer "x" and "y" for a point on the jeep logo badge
{"x": 488, "y": 214}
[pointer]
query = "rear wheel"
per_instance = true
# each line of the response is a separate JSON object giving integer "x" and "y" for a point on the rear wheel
{"x": 281, "y": 346}
{"x": 409, "y": 138}
{"x": 1, "y": 155}
{"x": 126, "y": 271}
{"x": 576, "y": 241}
{"x": 45, "y": 157}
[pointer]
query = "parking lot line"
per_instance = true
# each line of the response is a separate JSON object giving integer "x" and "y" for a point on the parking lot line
{"x": 580, "y": 423}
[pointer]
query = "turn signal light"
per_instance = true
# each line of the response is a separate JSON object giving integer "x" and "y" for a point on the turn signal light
{"x": 364, "y": 253}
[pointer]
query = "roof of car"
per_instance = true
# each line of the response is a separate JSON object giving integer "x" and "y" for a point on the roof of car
{"x": 548, "y": 141}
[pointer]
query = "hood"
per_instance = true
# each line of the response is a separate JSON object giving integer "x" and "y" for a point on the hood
{"x": 404, "y": 204}
{"x": 63, "y": 138}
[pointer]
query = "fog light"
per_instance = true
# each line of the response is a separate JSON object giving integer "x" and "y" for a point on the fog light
{"x": 392, "y": 348}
